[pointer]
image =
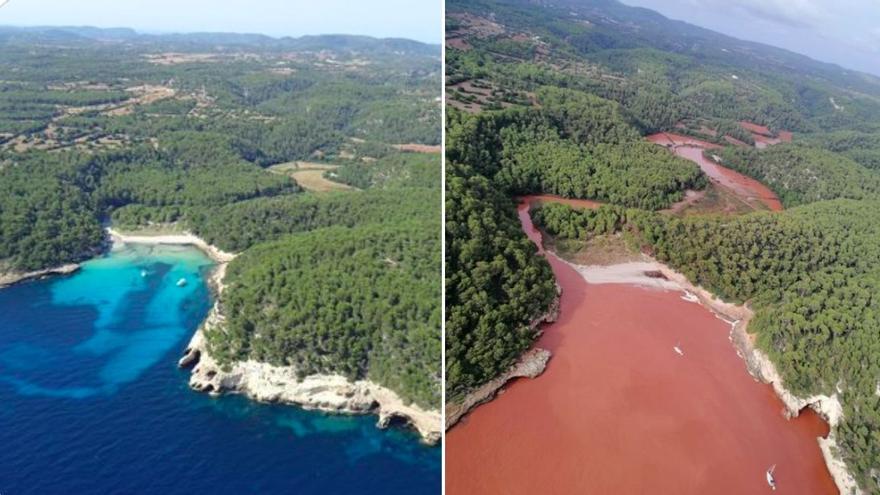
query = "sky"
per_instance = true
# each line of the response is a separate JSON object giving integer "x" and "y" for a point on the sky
{"x": 414, "y": 19}
{"x": 845, "y": 32}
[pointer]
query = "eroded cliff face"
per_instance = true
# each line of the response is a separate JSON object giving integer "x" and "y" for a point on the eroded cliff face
{"x": 829, "y": 407}
{"x": 280, "y": 384}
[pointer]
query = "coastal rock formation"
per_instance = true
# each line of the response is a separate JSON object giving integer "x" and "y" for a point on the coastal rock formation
{"x": 332, "y": 393}
{"x": 13, "y": 277}
{"x": 530, "y": 365}
{"x": 266, "y": 383}
{"x": 830, "y": 408}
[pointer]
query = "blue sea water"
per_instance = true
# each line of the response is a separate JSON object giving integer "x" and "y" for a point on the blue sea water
{"x": 92, "y": 402}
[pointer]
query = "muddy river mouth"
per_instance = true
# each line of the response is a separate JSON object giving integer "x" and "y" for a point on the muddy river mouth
{"x": 619, "y": 411}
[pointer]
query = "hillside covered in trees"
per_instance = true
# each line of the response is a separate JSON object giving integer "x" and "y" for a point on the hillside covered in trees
{"x": 495, "y": 285}
{"x": 361, "y": 301}
{"x": 177, "y": 132}
{"x": 800, "y": 174}
{"x": 663, "y": 73}
{"x": 555, "y": 97}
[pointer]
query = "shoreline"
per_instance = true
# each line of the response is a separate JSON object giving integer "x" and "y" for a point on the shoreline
{"x": 653, "y": 274}
{"x": 185, "y": 239}
{"x": 12, "y": 278}
{"x": 757, "y": 363}
{"x": 221, "y": 258}
{"x": 336, "y": 394}
{"x": 531, "y": 364}
{"x": 262, "y": 382}
{"x": 265, "y": 383}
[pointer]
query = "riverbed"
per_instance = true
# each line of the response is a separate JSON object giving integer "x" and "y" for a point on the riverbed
{"x": 749, "y": 190}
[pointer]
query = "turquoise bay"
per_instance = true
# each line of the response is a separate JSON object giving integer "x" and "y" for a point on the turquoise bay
{"x": 91, "y": 400}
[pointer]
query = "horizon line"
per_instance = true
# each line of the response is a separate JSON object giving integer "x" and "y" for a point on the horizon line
{"x": 159, "y": 32}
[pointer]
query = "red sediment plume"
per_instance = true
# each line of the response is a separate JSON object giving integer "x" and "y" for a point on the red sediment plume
{"x": 743, "y": 186}
{"x": 619, "y": 411}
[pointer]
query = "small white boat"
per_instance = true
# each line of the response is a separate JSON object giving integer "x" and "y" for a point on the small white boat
{"x": 181, "y": 282}
{"x": 690, "y": 297}
{"x": 770, "y": 479}
{"x": 143, "y": 273}
{"x": 677, "y": 348}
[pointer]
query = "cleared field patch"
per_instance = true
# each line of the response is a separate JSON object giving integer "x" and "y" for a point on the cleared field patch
{"x": 314, "y": 180}
{"x": 310, "y": 176}
{"x": 298, "y": 166}
{"x": 144, "y": 95}
{"x": 418, "y": 148}
{"x": 715, "y": 200}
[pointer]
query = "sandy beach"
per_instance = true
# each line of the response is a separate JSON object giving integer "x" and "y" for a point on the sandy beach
{"x": 185, "y": 239}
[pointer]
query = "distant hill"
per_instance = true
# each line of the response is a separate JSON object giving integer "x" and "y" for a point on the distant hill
{"x": 620, "y": 38}
{"x": 203, "y": 41}
{"x": 616, "y": 25}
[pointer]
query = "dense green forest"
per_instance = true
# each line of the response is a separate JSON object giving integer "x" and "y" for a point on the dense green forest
{"x": 392, "y": 171}
{"x": 564, "y": 222}
{"x": 44, "y": 220}
{"x": 151, "y": 129}
{"x": 176, "y": 133}
{"x": 861, "y": 147}
{"x": 53, "y": 204}
{"x": 661, "y": 72}
{"x": 576, "y": 145}
{"x": 495, "y": 285}
{"x": 360, "y": 301}
{"x": 527, "y": 83}
{"x": 800, "y": 174}
{"x": 241, "y": 225}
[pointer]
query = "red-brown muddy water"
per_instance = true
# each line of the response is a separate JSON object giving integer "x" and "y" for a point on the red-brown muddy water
{"x": 743, "y": 186}
{"x": 619, "y": 412}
